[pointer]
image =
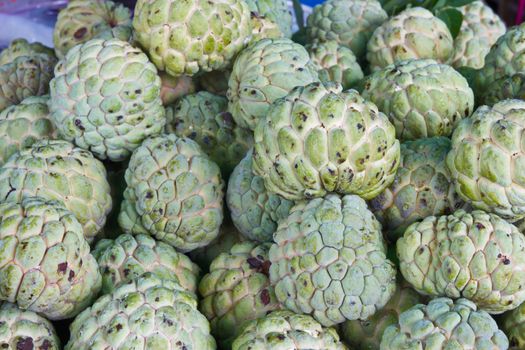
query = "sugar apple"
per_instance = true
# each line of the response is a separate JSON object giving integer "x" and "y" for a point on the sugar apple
{"x": 21, "y": 330}
{"x": 188, "y": 37}
{"x": 264, "y": 72}
{"x": 23, "y": 124}
{"x": 349, "y": 22}
{"x": 237, "y": 290}
{"x": 24, "y": 77}
{"x": 422, "y": 187}
{"x": 276, "y": 11}
{"x": 487, "y": 160}
{"x": 200, "y": 117}
{"x": 422, "y": 98}
{"x": 21, "y": 47}
{"x": 83, "y": 20}
{"x": 477, "y": 256}
{"x": 444, "y": 324}
{"x": 215, "y": 81}
{"x": 128, "y": 257}
{"x": 329, "y": 261}
{"x": 335, "y": 63}
{"x": 254, "y": 211}
{"x": 413, "y": 33}
{"x": 319, "y": 140}
{"x": 263, "y": 28}
{"x": 126, "y": 88}
{"x": 366, "y": 334}
{"x": 45, "y": 263}
{"x": 174, "y": 193}
{"x": 480, "y": 29}
{"x": 146, "y": 313}
{"x": 511, "y": 87}
{"x": 173, "y": 88}
{"x": 55, "y": 169}
{"x": 286, "y": 330}
{"x": 513, "y": 324}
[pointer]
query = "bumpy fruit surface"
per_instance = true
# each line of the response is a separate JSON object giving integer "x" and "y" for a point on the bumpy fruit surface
{"x": 264, "y": 72}
{"x": 366, "y": 334}
{"x": 276, "y": 11}
{"x": 286, "y": 330}
{"x": 215, "y": 81}
{"x": 480, "y": 29}
{"x": 349, "y": 22}
{"x": 444, "y": 324}
{"x": 23, "y": 124}
{"x": 329, "y": 261}
{"x": 319, "y": 140}
{"x": 422, "y": 187}
{"x": 202, "y": 117}
{"x": 254, "y": 211}
{"x": 147, "y": 313}
{"x": 83, "y": 20}
{"x": 487, "y": 160}
{"x": 20, "y": 329}
{"x": 45, "y": 263}
{"x": 21, "y": 47}
{"x": 513, "y": 324}
{"x": 263, "y": 28}
{"x": 477, "y": 256}
{"x": 55, "y": 169}
{"x": 511, "y": 87}
{"x": 128, "y": 257}
{"x": 335, "y": 63}
{"x": 174, "y": 193}
{"x": 413, "y": 33}
{"x": 422, "y": 98}
{"x": 189, "y": 37}
{"x": 127, "y": 90}
{"x": 237, "y": 290}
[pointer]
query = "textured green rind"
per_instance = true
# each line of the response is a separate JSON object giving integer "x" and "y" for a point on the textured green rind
{"x": 513, "y": 324}
{"x": 477, "y": 256}
{"x": 319, "y": 140}
{"x": 147, "y": 313}
{"x": 444, "y": 324}
{"x": 21, "y": 47}
{"x": 45, "y": 263}
{"x": 276, "y": 11}
{"x": 329, "y": 261}
{"x": 511, "y": 87}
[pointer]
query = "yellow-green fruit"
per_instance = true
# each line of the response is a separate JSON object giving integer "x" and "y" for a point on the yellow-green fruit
{"x": 513, "y": 324}
{"x": 21, "y": 47}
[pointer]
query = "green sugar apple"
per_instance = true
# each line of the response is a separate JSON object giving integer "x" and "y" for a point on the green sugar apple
{"x": 275, "y": 11}
{"x": 21, "y": 47}
{"x": 263, "y": 28}
{"x": 513, "y": 324}
{"x": 511, "y": 87}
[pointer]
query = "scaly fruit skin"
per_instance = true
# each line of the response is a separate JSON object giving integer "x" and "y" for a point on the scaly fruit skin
{"x": 349, "y": 22}
{"x": 20, "y": 329}
{"x": 366, "y": 334}
{"x": 276, "y": 11}
{"x": 477, "y": 256}
{"x": 513, "y": 324}
{"x": 413, "y": 33}
{"x": 263, "y": 28}
{"x": 329, "y": 261}
{"x": 57, "y": 170}
{"x": 173, "y": 88}
{"x": 487, "y": 160}
{"x": 146, "y": 313}
{"x": 23, "y": 124}
{"x": 45, "y": 263}
{"x": 188, "y": 37}
{"x": 422, "y": 187}
{"x": 21, "y": 47}
{"x": 319, "y": 140}
{"x": 480, "y": 29}
{"x": 264, "y": 72}
{"x": 127, "y": 90}
{"x": 202, "y": 118}
{"x": 215, "y": 82}
{"x": 445, "y": 324}
{"x": 254, "y": 211}
{"x": 422, "y": 98}
{"x": 335, "y": 63}
{"x": 174, "y": 193}
{"x": 83, "y": 20}
{"x": 24, "y": 77}
{"x": 237, "y": 290}
{"x": 511, "y": 87}
{"x": 286, "y": 330}
{"x": 128, "y": 257}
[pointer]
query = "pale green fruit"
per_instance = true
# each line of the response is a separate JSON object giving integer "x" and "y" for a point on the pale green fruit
{"x": 413, "y": 33}
{"x": 445, "y": 324}
{"x": 349, "y": 22}
{"x": 513, "y": 324}
{"x": 275, "y": 11}
{"x": 320, "y": 140}
{"x": 190, "y": 37}
{"x": 21, "y": 47}
{"x": 45, "y": 263}
{"x": 263, "y": 28}
{"x": 329, "y": 261}
{"x": 477, "y": 256}
{"x": 511, "y": 87}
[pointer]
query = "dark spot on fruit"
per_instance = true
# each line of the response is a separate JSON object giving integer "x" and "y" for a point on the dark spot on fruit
{"x": 79, "y": 125}
{"x": 71, "y": 275}
{"x": 25, "y": 344}
{"x": 479, "y": 226}
{"x": 62, "y": 267}
{"x": 79, "y": 34}
{"x": 265, "y": 297}
{"x": 119, "y": 327}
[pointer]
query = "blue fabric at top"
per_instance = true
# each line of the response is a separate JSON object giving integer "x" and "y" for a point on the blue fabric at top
{"x": 311, "y": 3}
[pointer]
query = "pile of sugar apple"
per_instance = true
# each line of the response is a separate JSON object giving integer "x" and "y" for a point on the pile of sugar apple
{"x": 192, "y": 175}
